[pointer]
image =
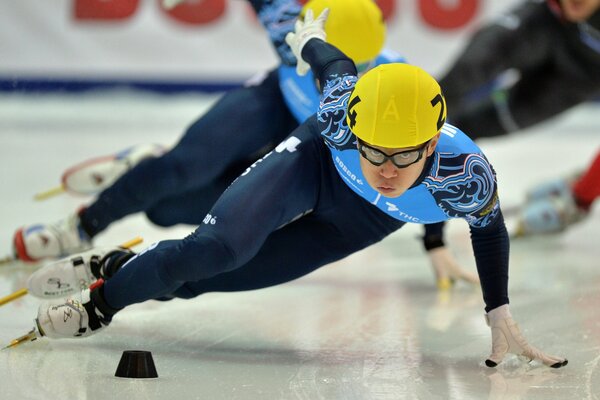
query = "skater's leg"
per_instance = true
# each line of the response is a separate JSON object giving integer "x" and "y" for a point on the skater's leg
{"x": 242, "y": 124}
{"x": 277, "y": 189}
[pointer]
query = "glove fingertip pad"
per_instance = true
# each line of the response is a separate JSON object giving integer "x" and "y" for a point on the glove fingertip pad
{"x": 559, "y": 364}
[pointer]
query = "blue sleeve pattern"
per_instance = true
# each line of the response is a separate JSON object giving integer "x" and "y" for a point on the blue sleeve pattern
{"x": 332, "y": 112}
{"x": 279, "y": 17}
{"x": 464, "y": 186}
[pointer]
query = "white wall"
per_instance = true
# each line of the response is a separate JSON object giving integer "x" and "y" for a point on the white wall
{"x": 68, "y": 39}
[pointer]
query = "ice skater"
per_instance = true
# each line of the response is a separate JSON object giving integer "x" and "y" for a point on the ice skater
{"x": 529, "y": 65}
{"x": 181, "y": 186}
{"x": 377, "y": 155}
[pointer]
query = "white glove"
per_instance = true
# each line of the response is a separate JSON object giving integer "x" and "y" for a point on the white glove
{"x": 447, "y": 270}
{"x": 507, "y": 338}
{"x": 169, "y": 4}
{"x": 305, "y": 30}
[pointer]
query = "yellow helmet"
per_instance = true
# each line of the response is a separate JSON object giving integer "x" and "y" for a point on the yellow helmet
{"x": 356, "y": 27}
{"x": 396, "y": 106}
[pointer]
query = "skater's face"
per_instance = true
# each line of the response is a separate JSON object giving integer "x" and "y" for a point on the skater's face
{"x": 383, "y": 173}
{"x": 579, "y": 10}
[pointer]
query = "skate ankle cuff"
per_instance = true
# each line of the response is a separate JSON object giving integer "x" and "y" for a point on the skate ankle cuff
{"x": 111, "y": 263}
{"x": 95, "y": 321}
{"x": 103, "y": 267}
{"x": 85, "y": 225}
{"x": 99, "y": 303}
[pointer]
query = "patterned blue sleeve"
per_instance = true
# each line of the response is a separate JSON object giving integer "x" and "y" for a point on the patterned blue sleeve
{"x": 278, "y": 17}
{"x": 337, "y": 74}
{"x": 464, "y": 186}
{"x": 332, "y": 112}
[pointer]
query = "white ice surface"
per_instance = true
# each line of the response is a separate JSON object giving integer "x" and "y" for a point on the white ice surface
{"x": 371, "y": 326}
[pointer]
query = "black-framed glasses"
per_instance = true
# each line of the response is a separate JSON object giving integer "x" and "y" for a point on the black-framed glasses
{"x": 401, "y": 159}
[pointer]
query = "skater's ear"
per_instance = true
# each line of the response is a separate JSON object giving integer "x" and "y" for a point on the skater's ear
{"x": 432, "y": 144}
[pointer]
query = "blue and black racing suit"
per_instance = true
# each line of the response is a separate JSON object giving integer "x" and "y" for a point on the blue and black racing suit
{"x": 306, "y": 204}
{"x": 242, "y": 126}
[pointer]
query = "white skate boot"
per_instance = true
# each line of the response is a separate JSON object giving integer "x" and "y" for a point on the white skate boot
{"x": 95, "y": 175}
{"x": 73, "y": 274}
{"x": 36, "y": 242}
{"x": 554, "y": 188}
{"x": 551, "y": 214}
{"x": 75, "y": 318}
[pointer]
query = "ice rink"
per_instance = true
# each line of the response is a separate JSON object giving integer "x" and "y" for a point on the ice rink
{"x": 372, "y": 326}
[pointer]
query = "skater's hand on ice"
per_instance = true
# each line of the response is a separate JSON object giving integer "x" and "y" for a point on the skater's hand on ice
{"x": 507, "y": 338}
{"x": 447, "y": 270}
{"x": 306, "y": 29}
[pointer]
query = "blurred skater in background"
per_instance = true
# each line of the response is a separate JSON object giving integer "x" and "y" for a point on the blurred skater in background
{"x": 528, "y": 66}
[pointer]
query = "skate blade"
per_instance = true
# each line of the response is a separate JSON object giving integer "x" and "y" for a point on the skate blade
{"x": 55, "y": 191}
{"x": 7, "y": 260}
{"x": 13, "y": 296}
{"x": 518, "y": 233}
{"x": 131, "y": 243}
{"x": 31, "y": 336}
{"x": 517, "y": 230}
